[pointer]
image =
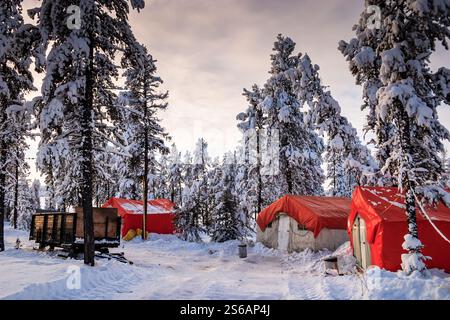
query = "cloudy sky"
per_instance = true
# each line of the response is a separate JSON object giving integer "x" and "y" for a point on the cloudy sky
{"x": 209, "y": 50}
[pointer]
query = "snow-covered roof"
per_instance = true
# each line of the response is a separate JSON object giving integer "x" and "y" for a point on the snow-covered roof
{"x": 127, "y": 206}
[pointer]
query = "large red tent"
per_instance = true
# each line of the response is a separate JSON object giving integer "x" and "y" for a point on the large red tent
{"x": 384, "y": 214}
{"x": 161, "y": 213}
{"x": 315, "y": 213}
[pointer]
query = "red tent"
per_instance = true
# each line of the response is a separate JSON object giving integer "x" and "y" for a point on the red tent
{"x": 384, "y": 215}
{"x": 159, "y": 219}
{"x": 315, "y": 213}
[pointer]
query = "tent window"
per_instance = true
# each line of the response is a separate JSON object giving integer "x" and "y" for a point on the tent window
{"x": 269, "y": 225}
{"x": 301, "y": 227}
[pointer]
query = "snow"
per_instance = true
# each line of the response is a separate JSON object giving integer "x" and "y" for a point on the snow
{"x": 167, "y": 268}
{"x": 364, "y": 57}
{"x": 139, "y": 209}
{"x": 411, "y": 242}
{"x": 384, "y": 285}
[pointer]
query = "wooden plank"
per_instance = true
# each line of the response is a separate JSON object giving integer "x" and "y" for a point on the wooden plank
{"x": 104, "y": 219}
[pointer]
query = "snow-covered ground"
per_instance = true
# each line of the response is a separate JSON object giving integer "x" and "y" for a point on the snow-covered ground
{"x": 168, "y": 268}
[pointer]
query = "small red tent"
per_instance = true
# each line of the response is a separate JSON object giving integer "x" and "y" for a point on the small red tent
{"x": 383, "y": 212}
{"x": 159, "y": 219}
{"x": 315, "y": 213}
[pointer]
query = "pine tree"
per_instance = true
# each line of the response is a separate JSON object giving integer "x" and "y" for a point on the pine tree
{"x": 195, "y": 216}
{"x": 36, "y": 194}
{"x": 106, "y": 180}
{"x": 26, "y": 205}
{"x": 19, "y": 170}
{"x": 143, "y": 135}
{"x": 251, "y": 123}
{"x": 409, "y": 134}
{"x": 215, "y": 174}
{"x": 247, "y": 190}
{"x": 188, "y": 219}
{"x": 16, "y": 38}
{"x": 348, "y": 162}
{"x": 226, "y": 224}
{"x": 201, "y": 191}
{"x": 300, "y": 148}
{"x": 446, "y": 175}
{"x": 77, "y": 107}
{"x": 162, "y": 184}
{"x": 175, "y": 178}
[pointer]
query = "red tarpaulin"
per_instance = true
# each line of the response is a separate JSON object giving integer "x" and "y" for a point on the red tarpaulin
{"x": 383, "y": 210}
{"x": 315, "y": 213}
{"x": 159, "y": 218}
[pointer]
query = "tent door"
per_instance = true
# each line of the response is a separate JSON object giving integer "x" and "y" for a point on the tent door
{"x": 365, "y": 248}
{"x": 356, "y": 241}
{"x": 283, "y": 232}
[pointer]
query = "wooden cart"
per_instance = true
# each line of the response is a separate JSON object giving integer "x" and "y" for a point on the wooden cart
{"x": 66, "y": 230}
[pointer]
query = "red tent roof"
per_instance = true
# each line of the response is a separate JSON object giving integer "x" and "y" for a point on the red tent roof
{"x": 126, "y": 206}
{"x": 383, "y": 211}
{"x": 377, "y": 205}
{"x": 389, "y": 204}
{"x": 315, "y": 213}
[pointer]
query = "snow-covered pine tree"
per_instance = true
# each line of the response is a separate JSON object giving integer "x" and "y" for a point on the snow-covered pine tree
{"x": 407, "y": 99}
{"x": 18, "y": 169}
{"x": 106, "y": 180}
{"x": 348, "y": 161}
{"x": 200, "y": 169}
{"x": 445, "y": 181}
{"x": 77, "y": 108}
{"x": 175, "y": 178}
{"x": 300, "y": 148}
{"x": 188, "y": 219}
{"x": 161, "y": 183}
{"x": 246, "y": 190}
{"x": 251, "y": 123}
{"x": 26, "y": 205}
{"x": 226, "y": 222}
{"x": 36, "y": 193}
{"x": 144, "y": 134}
{"x": 16, "y": 38}
{"x": 215, "y": 173}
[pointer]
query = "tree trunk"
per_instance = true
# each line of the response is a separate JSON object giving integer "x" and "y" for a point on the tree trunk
{"x": 408, "y": 183}
{"x": 180, "y": 195}
{"x": 97, "y": 198}
{"x": 87, "y": 171}
{"x": 16, "y": 195}
{"x": 172, "y": 192}
{"x": 146, "y": 165}
{"x": 2, "y": 194}
{"x": 258, "y": 172}
{"x": 205, "y": 214}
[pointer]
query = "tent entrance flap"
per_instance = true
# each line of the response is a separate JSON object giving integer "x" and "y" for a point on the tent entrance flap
{"x": 356, "y": 241}
{"x": 283, "y": 232}
{"x": 361, "y": 247}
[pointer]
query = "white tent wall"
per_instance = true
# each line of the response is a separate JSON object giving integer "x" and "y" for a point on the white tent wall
{"x": 269, "y": 237}
{"x": 300, "y": 239}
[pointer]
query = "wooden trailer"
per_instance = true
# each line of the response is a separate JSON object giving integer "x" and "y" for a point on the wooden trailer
{"x": 66, "y": 229}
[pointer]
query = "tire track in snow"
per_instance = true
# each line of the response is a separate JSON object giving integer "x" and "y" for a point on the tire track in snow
{"x": 306, "y": 288}
{"x": 102, "y": 282}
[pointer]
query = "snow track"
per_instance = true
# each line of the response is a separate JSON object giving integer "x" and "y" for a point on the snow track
{"x": 102, "y": 282}
{"x": 167, "y": 268}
